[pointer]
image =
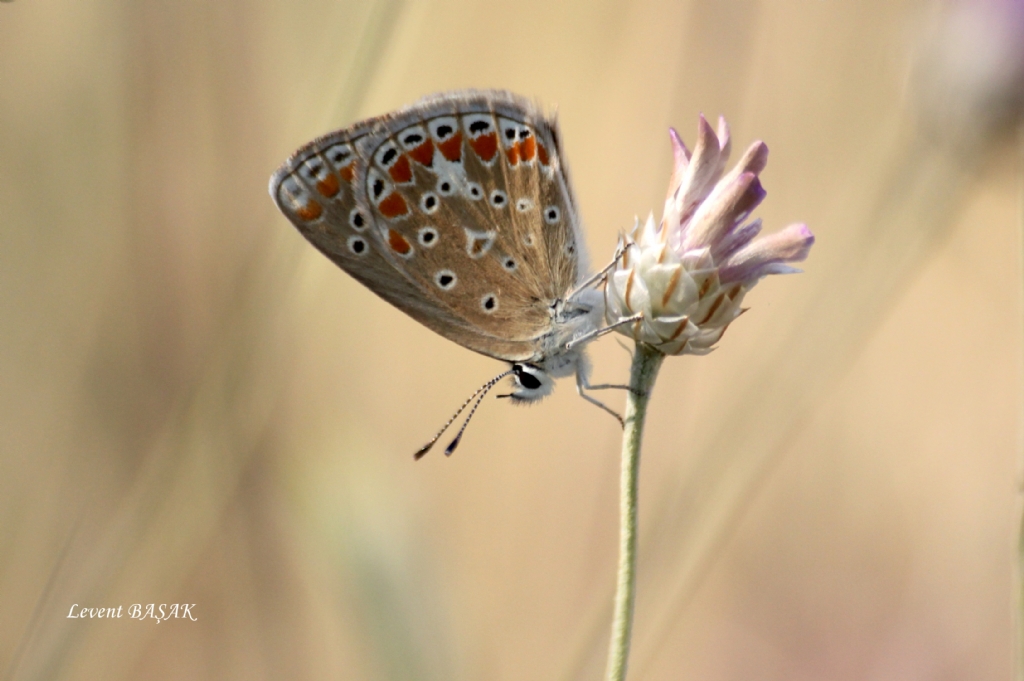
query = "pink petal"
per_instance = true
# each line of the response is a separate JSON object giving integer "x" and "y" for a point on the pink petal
{"x": 755, "y": 158}
{"x": 724, "y": 140}
{"x": 736, "y": 239}
{"x": 728, "y": 205}
{"x": 702, "y": 172}
{"x": 764, "y": 255}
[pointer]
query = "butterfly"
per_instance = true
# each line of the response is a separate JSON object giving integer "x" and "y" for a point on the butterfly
{"x": 458, "y": 211}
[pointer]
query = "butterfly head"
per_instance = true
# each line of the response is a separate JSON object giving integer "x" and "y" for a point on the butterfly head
{"x": 530, "y": 383}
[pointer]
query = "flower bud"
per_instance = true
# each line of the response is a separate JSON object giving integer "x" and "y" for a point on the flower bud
{"x": 687, "y": 276}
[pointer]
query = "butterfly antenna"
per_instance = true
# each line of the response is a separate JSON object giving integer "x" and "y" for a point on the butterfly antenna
{"x": 455, "y": 442}
{"x": 481, "y": 391}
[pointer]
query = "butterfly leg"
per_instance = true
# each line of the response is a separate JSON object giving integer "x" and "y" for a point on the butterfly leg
{"x": 617, "y": 386}
{"x": 597, "y": 333}
{"x": 599, "y": 275}
{"x": 582, "y": 386}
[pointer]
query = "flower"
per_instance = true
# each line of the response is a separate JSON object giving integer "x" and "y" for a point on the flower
{"x": 968, "y": 74}
{"x": 687, "y": 276}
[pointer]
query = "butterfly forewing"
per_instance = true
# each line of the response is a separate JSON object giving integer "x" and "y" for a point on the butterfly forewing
{"x": 456, "y": 210}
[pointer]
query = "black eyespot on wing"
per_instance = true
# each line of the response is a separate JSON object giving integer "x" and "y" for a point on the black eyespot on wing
{"x": 427, "y": 236}
{"x": 429, "y": 203}
{"x": 444, "y": 131}
{"x": 479, "y": 126}
{"x": 378, "y": 188}
{"x": 357, "y": 245}
{"x": 389, "y": 156}
{"x": 413, "y": 138}
{"x": 445, "y": 279}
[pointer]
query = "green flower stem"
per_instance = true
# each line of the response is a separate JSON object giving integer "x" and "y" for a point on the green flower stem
{"x": 646, "y": 362}
{"x": 1019, "y": 589}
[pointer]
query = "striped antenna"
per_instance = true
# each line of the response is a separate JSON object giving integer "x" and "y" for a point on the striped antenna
{"x": 481, "y": 392}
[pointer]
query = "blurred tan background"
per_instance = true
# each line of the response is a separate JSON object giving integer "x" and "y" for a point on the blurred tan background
{"x": 197, "y": 407}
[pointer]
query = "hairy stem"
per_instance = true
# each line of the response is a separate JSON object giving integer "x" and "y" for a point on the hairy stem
{"x": 646, "y": 362}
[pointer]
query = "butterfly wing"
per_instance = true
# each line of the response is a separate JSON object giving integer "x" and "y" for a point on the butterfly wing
{"x": 457, "y": 210}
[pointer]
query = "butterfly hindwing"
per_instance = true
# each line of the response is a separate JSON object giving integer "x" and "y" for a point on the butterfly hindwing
{"x": 478, "y": 213}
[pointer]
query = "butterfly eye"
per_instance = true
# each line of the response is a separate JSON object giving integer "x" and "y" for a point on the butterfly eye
{"x": 474, "y": 191}
{"x": 357, "y": 245}
{"x": 525, "y": 377}
{"x": 499, "y": 198}
{"x": 445, "y": 280}
{"x": 523, "y": 205}
{"x": 552, "y": 215}
{"x": 427, "y": 236}
{"x": 489, "y": 303}
{"x": 357, "y": 220}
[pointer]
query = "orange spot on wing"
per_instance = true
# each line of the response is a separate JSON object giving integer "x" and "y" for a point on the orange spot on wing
{"x": 513, "y": 154}
{"x": 393, "y": 205}
{"x": 398, "y": 243}
{"x": 424, "y": 153}
{"x": 348, "y": 173}
{"x": 401, "y": 172}
{"x": 451, "y": 148}
{"x": 528, "y": 148}
{"x": 311, "y": 211}
{"x": 485, "y": 146}
{"x": 328, "y": 187}
{"x": 542, "y": 154}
